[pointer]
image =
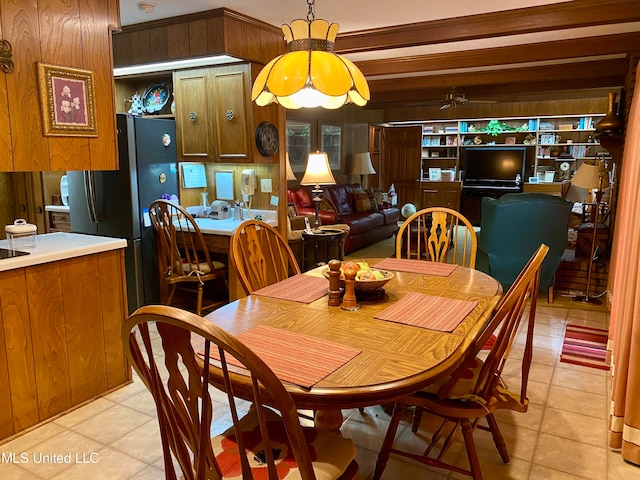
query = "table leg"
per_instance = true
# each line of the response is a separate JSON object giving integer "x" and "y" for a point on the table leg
{"x": 330, "y": 420}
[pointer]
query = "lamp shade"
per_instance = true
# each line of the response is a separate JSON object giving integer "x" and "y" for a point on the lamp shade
{"x": 318, "y": 171}
{"x": 588, "y": 176}
{"x": 362, "y": 164}
{"x": 310, "y": 74}
{"x": 290, "y": 174}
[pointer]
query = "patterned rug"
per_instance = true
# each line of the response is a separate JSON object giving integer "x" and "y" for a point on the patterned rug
{"x": 585, "y": 346}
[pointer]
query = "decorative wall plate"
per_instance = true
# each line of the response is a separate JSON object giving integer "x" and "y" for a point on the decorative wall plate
{"x": 155, "y": 97}
{"x": 267, "y": 139}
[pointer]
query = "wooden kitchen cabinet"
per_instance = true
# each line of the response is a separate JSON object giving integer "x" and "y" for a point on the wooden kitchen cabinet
{"x": 215, "y": 118}
{"x": 441, "y": 194}
{"x": 400, "y": 162}
{"x": 60, "y": 340}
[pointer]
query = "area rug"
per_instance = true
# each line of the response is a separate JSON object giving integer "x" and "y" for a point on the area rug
{"x": 585, "y": 346}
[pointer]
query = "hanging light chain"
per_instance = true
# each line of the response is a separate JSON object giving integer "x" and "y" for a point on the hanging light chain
{"x": 311, "y": 13}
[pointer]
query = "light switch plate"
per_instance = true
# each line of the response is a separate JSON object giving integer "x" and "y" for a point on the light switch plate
{"x": 265, "y": 185}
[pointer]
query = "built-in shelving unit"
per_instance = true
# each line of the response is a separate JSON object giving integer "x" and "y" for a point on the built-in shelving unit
{"x": 559, "y": 143}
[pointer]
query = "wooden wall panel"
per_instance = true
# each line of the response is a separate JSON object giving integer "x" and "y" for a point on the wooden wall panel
{"x": 178, "y": 44}
{"x": 6, "y": 159}
{"x": 19, "y": 352}
{"x": 20, "y": 27}
{"x": 159, "y": 41}
{"x": 49, "y": 338}
{"x": 98, "y": 58}
{"x": 198, "y": 38}
{"x": 122, "y": 52}
{"x": 114, "y": 311}
{"x": 80, "y": 278}
{"x": 141, "y": 46}
{"x": 6, "y": 427}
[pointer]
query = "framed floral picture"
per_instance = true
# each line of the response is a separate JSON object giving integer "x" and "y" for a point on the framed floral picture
{"x": 67, "y": 101}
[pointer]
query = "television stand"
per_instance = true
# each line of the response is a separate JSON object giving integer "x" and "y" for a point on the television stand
{"x": 472, "y": 196}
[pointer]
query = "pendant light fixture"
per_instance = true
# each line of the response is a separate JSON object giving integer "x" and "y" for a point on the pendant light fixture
{"x": 310, "y": 74}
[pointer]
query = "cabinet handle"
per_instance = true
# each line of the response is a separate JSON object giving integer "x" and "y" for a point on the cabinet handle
{"x": 229, "y": 115}
{"x": 193, "y": 116}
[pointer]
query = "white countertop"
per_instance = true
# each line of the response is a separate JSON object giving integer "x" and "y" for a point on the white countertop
{"x": 53, "y": 247}
{"x": 228, "y": 225}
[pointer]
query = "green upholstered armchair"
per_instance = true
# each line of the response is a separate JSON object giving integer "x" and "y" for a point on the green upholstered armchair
{"x": 513, "y": 227}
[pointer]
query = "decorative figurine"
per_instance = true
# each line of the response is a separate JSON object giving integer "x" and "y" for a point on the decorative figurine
{"x": 136, "y": 105}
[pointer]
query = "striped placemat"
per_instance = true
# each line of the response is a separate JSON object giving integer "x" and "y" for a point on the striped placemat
{"x": 416, "y": 266}
{"x": 426, "y": 311}
{"x": 293, "y": 357}
{"x": 299, "y": 288}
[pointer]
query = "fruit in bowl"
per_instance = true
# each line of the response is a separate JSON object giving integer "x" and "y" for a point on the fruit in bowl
{"x": 367, "y": 278}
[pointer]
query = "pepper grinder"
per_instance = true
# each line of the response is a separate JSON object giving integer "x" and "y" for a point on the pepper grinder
{"x": 334, "y": 283}
{"x": 349, "y": 298}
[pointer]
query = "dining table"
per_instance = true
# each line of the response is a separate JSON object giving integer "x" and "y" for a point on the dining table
{"x": 375, "y": 360}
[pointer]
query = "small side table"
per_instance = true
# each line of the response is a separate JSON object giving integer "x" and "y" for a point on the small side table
{"x": 326, "y": 237}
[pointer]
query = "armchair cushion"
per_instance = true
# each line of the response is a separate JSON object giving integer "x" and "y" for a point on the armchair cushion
{"x": 514, "y": 226}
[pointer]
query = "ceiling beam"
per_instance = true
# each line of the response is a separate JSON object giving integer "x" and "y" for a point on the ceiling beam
{"x": 543, "y": 51}
{"x": 566, "y": 72}
{"x": 558, "y": 16}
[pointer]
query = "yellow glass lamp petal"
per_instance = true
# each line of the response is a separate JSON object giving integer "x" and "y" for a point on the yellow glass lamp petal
{"x": 319, "y": 29}
{"x": 261, "y": 80}
{"x": 299, "y": 29}
{"x": 359, "y": 82}
{"x": 329, "y": 74}
{"x": 289, "y": 74}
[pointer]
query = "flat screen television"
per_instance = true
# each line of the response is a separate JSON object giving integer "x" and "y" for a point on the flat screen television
{"x": 494, "y": 166}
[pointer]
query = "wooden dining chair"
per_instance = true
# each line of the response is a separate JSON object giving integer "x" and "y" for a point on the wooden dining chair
{"x": 260, "y": 255}
{"x": 158, "y": 340}
{"x": 183, "y": 256}
{"x": 438, "y": 234}
{"x": 475, "y": 390}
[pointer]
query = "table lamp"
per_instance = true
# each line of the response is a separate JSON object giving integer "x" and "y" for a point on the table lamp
{"x": 591, "y": 176}
{"x": 290, "y": 174}
{"x": 362, "y": 166}
{"x": 318, "y": 173}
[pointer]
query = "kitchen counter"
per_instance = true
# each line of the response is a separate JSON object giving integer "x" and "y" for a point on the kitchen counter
{"x": 57, "y": 246}
{"x": 227, "y": 226}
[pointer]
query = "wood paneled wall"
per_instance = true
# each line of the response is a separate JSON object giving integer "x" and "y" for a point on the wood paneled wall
{"x": 575, "y": 106}
{"x": 73, "y": 34}
{"x": 213, "y": 32}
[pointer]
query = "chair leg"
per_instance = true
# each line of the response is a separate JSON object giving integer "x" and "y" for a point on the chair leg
{"x": 387, "y": 443}
{"x": 550, "y": 294}
{"x": 199, "y": 303}
{"x": 498, "y": 439}
{"x": 470, "y": 446}
{"x": 417, "y": 418}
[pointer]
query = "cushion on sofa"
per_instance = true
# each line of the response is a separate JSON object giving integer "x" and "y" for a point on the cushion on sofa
{"x": 341, "y": 195}
{"x": 391, "y": 215}
{"x": 365, "y": 202}
{"x": 360, "y": 224}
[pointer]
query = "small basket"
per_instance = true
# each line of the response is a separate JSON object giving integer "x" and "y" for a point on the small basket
{"x": 365, "y": 285}
{"x": 22, "y": 235}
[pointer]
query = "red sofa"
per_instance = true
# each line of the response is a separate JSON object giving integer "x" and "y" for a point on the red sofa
{"x": 368, "y": 222}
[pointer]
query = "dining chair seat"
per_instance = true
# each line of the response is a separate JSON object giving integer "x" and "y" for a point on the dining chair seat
{"x": 196, "y": 391}
{"x": 202, "y": 267}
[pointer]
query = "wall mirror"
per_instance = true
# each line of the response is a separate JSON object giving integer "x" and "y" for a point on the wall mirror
{"x": 330, "y": 142}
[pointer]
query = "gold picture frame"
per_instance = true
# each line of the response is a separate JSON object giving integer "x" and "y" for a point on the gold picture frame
{"x": 67, "y": 101}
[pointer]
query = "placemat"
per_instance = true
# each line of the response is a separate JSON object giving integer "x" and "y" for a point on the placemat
{"x": 426, "y": 311}
{"x": 293, "y": 357}
{"x": 298, "y": 288}
{"x": 416, "y": 266}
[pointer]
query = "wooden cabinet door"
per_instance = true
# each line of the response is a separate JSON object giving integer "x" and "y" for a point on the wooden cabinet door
{"x": 193, "y": 123}
{"x": 450, "y": 196}
{"x": 430, "y": 198}
{"x": 232, "y": 105}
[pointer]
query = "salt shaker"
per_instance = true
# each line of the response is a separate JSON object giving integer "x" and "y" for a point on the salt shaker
{"x": 349, "y": 298}
{"x": 334, "y": 283}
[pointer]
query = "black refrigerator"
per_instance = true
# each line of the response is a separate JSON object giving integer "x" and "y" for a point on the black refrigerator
{"x": 116, "y": 203}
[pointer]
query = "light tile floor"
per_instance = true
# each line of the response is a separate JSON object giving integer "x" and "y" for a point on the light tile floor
{"x": 563, "y": 436}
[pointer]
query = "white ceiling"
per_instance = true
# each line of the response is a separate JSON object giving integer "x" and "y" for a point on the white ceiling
{"x": 350, "y": 14}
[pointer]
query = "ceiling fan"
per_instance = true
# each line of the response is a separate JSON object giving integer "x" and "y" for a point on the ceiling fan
{"x": 453, "y": 99}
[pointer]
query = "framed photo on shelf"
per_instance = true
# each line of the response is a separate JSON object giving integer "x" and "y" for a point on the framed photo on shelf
{"x": 510, "y": 141}
{"x": 435, "y": 174}
{"x": 67, "y": 101}
{"x": 291, "y": 210}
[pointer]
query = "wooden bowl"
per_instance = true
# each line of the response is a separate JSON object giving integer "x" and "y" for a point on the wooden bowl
{"x": 365, "y": 285}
